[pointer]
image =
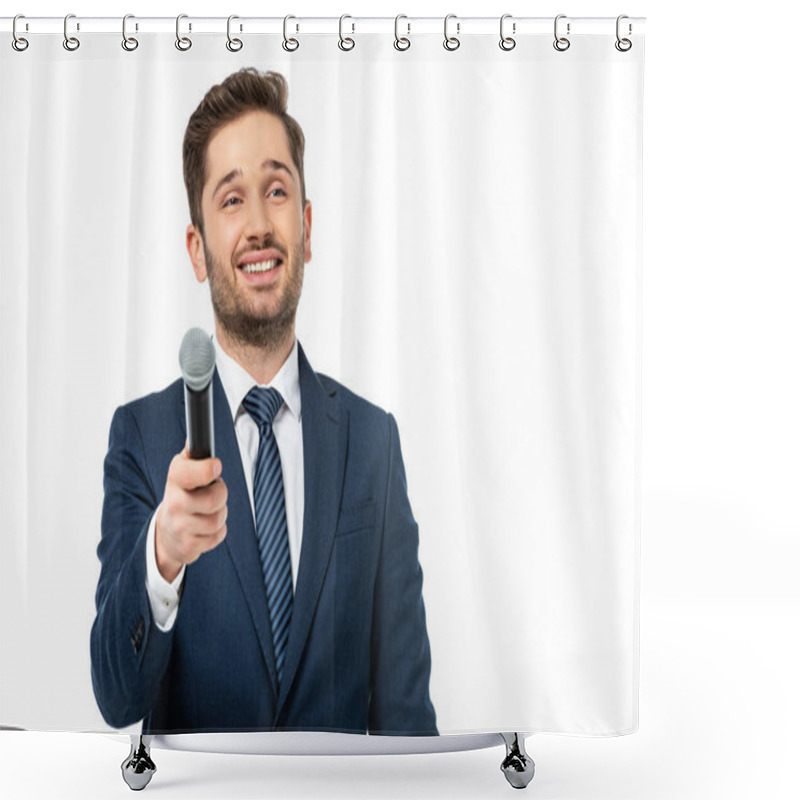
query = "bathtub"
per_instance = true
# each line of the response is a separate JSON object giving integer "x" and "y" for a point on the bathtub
{"x": 139, "y": 766}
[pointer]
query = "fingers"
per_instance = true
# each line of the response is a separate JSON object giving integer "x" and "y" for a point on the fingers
{"x": 187, "y": 549}
{"x": 189, "y": 473}
{"x": 202, "y": 502}
{"x": 209, "y": 510}
{"x": 197, "y": 512}
{"x": 193, "y": 513}
{"x": 216, "y": 539}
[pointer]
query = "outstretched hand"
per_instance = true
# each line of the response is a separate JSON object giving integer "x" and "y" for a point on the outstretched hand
{"x": 192, "y": 516}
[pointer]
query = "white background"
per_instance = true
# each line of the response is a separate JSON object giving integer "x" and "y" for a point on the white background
{"x": 721, "y": 437}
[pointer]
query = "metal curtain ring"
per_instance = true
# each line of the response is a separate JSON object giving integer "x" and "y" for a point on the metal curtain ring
{"x": 345, "y": 42}
{"x": 623, "y": 45}
{"x": 234, "y": 45}
{"x": 561, "y": 43}
{"x": 70, "y": 42}
{"x": 401, "y": 42}
{"x": 19, "y": 43}
{"x": 451, "y": 42}
{"x": 506, "y": 42}
{"x": 289, "y": 44}
{"x": 181, "y": 42}
{"x": 128, "y": 42}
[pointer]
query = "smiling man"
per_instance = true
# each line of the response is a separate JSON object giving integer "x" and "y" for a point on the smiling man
{"x": 277, "y": 586}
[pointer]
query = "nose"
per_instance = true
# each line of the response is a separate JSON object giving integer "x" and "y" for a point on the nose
{"x": 259, "y": 222}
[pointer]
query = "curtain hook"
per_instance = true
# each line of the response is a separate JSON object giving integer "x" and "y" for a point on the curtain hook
{"x": 19, "y": 43}
{"x": 182, "y": 42}
{"x": 401, "y": 43}
{"x": 346, "y": 43}
{"x": 70, "y": 42}
{"x": 561, "y": 43}
{"x": 289, "y": 44}
{"x": 506, "y": 42}
{"x": 234, "y": 45}
{"x": 451, "y": 42}
{"x": 128, "y": 42}
{"x": 623, "y": 45}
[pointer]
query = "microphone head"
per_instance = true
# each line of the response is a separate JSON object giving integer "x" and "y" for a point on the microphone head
{"x": 197, "y": 358}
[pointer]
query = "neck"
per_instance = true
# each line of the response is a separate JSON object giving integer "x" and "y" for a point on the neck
{"x": 262, "y": 363}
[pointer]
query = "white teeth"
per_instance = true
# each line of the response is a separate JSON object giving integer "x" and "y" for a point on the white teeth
{"x": 261, "y": 266}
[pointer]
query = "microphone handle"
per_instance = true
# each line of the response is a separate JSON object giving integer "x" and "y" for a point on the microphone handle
{"x": 200, "y": 421}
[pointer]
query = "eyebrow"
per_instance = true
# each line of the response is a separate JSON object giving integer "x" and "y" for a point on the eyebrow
{"x": 269, "y": 163}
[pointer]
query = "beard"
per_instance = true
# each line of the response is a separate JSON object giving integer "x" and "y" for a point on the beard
{"x": 245, "y": 323}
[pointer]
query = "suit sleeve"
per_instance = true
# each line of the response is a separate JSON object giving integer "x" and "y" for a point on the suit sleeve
{"x": 129, "y": 653}
{"x": 401, "y": 657}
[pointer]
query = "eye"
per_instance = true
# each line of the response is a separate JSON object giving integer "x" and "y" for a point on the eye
{"x": 231, "y": 201}
{"x": 277, "y": 192}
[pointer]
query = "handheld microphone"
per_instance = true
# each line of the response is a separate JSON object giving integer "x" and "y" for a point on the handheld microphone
{"x": 197, "y": 359}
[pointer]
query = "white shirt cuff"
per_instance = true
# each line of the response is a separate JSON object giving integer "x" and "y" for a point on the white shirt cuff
{"x": 163, "y": 595}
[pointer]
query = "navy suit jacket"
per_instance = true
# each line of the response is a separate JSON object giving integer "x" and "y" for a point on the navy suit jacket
{"x": 358, "y": 656}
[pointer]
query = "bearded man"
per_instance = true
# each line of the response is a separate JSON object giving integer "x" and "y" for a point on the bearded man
{"x": 276, "y": 586}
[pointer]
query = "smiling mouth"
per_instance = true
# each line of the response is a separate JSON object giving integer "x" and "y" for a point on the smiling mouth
{"x": 261, "y": 266}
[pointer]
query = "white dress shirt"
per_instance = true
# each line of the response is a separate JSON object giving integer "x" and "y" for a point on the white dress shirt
{"x": 288, "y": 431}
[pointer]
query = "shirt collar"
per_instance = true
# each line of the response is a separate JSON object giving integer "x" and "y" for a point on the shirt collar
{"x": 237, "y": 381}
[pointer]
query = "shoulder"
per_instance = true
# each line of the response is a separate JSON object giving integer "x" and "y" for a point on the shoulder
{"x": 369, "y": 424}
{"x": 155, "y": 414}
{"x": 156, "y": 403}
{"x": 355, "y": 405}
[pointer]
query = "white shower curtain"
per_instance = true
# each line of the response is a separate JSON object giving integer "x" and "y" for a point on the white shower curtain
{"x": 476, "y": 271}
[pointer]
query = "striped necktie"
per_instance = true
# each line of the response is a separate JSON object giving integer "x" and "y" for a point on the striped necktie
{"x": 270, "y": 509}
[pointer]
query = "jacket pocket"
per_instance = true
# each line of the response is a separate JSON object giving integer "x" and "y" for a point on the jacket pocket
{"x": 356, "y": 518}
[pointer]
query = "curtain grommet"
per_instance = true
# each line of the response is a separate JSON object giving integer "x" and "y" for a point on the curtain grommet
{"x": 401, "y": 43}
{"x": 183, "y": 43}
{"x": 561, "y": 43}
{"x": 507, "y": 43}
{"x": 70, "y": 43}
{"x": 451, "y": 43}
{"x": 290, "y": 44}
{"x": 233, "y": 44}
{"x": 346, "y": 43}
{"x": 19, "y": 43}
{"x": 129, "y": 43}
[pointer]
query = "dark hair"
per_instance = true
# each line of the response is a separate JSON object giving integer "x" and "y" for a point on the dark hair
{"x": 243, "y": 91}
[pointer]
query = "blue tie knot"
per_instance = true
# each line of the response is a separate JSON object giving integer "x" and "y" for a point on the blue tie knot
{"x": 262, "y": 405}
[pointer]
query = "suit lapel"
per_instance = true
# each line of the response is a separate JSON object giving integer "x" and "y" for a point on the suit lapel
{"x": 241, "y": 537}
{"x": 325, "y": 433}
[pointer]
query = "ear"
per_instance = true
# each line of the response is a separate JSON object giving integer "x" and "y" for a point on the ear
{"x": 197, "y": 253}
{"x": 307, "y": 229}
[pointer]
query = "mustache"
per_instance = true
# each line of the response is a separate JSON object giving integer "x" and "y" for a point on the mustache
{"x": 269, "y": 243}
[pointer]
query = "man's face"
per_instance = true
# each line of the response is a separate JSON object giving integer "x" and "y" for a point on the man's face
{"x": 257, "y": 233}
